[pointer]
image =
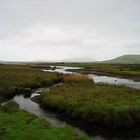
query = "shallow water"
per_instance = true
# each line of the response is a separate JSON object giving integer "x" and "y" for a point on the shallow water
{"x": 115, "y": 81}
{"x": 62, "y": 69}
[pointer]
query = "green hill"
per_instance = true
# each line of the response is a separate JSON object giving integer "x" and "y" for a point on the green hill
{"x": 126, "y": 59}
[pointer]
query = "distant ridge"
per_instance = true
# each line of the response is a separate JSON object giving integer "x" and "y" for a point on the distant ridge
{"x": 125, "y": 59}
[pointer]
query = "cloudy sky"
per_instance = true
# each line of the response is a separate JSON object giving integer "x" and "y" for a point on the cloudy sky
{"x": 68, "y": 29}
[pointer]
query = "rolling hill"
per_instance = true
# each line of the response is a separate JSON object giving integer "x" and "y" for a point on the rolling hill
{"x": 125, "y": 59}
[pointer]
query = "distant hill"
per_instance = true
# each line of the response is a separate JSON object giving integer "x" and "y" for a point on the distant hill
{"x": 125, "y": 59}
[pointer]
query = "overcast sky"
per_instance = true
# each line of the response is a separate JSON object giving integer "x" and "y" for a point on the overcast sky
{"x": 68, "y": 29}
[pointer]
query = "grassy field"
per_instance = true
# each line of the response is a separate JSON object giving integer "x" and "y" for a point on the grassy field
{"x": 17, "y": 79}
{"x": 105, "y": 105}
{"x": 17, "y": 124}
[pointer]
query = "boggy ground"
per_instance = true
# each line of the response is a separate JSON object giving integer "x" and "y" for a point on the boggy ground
{"x": 17, "y": 124}
{"x": 107, "y": 106}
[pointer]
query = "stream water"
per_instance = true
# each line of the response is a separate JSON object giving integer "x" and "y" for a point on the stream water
{"x": 115, "y": 81}
{"x": 54, "y": 118}
{"x": 30, "y": 106}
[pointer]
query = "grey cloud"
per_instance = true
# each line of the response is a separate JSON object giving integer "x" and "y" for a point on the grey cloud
{"x": 89, "y": 27}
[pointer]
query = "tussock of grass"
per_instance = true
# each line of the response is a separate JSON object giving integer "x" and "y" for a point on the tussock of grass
{"x": 75, "y": 78}
{"x": 105, "y": 105}
{"x": 17, "y": 79}
{"x": 16, "y": 124}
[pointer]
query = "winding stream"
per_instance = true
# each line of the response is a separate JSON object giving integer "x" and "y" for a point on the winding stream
{"x": 54, "y": 118}
{"x": 32, "y": 107}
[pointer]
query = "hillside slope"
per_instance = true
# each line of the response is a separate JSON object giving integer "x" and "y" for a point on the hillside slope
{"x": 126, "y": 59}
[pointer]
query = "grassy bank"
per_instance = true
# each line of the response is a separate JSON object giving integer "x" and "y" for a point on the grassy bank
{"x": 17, "y": 79}
{"x": 105, "y": 105}
{"x": 16, "y": 124}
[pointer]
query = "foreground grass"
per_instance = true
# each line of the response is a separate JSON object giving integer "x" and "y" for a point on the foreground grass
{"x": 16, "y": 79}
{"x": 16, "y": 124}
{"x": 105, "y": 105}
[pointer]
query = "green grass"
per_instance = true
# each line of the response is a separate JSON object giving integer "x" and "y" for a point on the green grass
{"x": 105, "y": 105}
{"x": 17, "y": 79}
{"x": 17, "y": 124}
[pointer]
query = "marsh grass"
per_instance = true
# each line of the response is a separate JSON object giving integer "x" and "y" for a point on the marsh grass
{"x": 18, "y": 79}
{"x": 105, "y": 105}
{"x": 75, "y": 78}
